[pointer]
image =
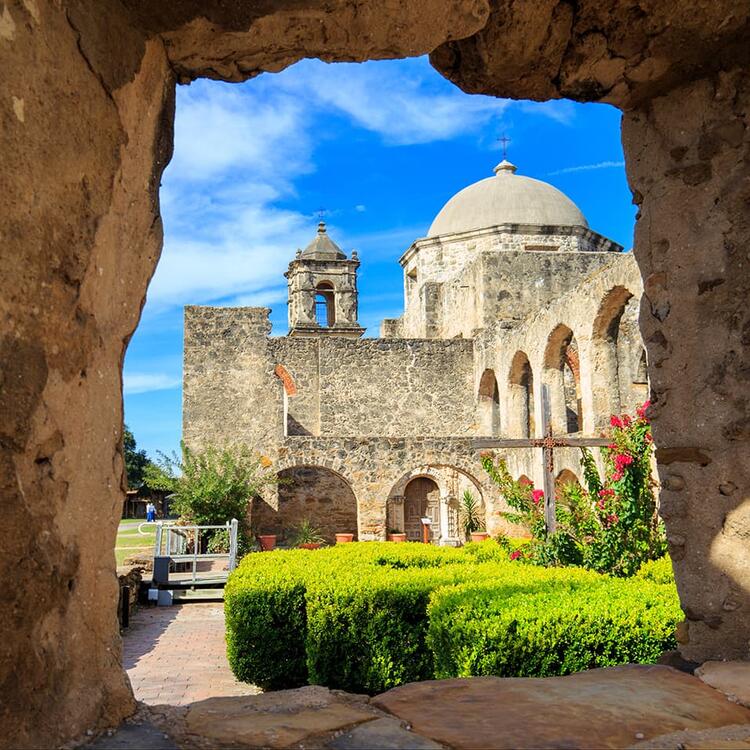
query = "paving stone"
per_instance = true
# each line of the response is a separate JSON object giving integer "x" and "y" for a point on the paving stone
{"x": 382, "y": 734}
{"x": 731, "y": 677}
{"x": 141, "y": 736}
{"x": 177, "y": 655}
{"x": 277, "y": 720}
{"x": 603, "y": 708}
{"x": 724, "y": 738}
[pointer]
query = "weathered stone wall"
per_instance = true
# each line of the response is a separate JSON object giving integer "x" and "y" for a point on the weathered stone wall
{"x": 375, "y": 387}
{"x": 691, "y": 183}
{"x": 489, "y": 275}
{"x": 231, "y": 392}
{"x": 86, "y": 111}
{"x": 497, "y": 346}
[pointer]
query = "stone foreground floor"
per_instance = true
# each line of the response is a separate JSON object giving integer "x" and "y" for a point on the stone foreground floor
{"x": 654, "y": 707}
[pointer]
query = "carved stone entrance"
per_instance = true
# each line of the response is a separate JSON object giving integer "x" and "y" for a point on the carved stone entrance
{"x": 421, "y": 499}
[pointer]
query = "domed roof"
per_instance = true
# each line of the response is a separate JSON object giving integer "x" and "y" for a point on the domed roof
{"x": 323, "y": 247}
{"x": 506, "y": 198}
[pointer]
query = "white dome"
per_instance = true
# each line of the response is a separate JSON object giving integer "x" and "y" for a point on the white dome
{"x": 506, "y": 198}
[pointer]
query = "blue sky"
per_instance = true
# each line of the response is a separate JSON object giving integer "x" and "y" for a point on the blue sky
{"x": 380, "y": 147}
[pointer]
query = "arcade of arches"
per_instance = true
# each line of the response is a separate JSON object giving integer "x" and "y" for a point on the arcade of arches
{"x": 84, "y": 144}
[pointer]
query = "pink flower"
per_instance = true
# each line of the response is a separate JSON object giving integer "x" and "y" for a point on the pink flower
{"x": 611, "y": 519}
{"x": 615, "y": 421}
{"x": 622, "y": 460}
{"x": 606, "y": 492}
{"x": 626, "y": 420}
{"x": 612, "y": 446}
{"x": 515, "y": 554}
{"x": 641, "y": 410}
{"x": 648, "y": 437}
{"x": 537, "y": 496}
{"x": 616, "y": 476}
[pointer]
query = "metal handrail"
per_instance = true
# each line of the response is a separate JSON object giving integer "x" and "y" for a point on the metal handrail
{"x": 176, "y": 547}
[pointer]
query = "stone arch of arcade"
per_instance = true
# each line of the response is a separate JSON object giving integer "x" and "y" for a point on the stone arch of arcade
{"x": 521, "y": 407}
{"x": 307, "y": 492}
{"x": 488, "y": 404}
{"x": 680, "y": 89}
{"x": 616, "y": 356}
{"x": 561, "y": 375}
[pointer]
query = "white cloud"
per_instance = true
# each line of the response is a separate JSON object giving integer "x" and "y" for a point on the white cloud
{"x": 559, "y": 110}
{"x": 222, "y": 128}
{"x": 588, "y": 167}
{"x": 143, "y": 382}
{"x": 360, "y": 208}
{"x": 403, "y": 108}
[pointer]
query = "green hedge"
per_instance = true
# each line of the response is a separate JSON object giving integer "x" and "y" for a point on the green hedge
{"x": 369, "y": 616}
{"x": 657, "y": 571}
{"x": 555, "y": 629}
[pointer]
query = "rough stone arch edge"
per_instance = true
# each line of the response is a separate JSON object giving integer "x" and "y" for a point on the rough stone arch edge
{"x": 310, "y": 460}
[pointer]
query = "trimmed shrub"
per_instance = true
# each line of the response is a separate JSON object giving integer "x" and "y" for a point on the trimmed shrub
{"x": 264, "y": 603}
{"x": 554, "y": 627}
{"x": 657, "y": 571}
{"x": 370, "y": 616}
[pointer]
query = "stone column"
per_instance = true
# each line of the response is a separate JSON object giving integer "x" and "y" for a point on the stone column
{"x": 687, "y": 158}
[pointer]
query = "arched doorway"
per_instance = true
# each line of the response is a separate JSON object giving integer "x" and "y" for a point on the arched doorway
{"x": 312, "y": 493}
{"x": 421, "y": 499}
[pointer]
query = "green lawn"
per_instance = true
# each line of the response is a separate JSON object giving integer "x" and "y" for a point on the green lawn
{"x": 130, "y": 542}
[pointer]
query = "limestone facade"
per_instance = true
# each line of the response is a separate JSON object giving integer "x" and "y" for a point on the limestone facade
{"x": 374, "y": 433}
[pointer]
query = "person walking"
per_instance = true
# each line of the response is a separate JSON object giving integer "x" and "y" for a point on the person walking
{"x": 150, "y": 512}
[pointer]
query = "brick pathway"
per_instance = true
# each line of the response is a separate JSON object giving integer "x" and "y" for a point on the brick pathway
{"x": 177, "y": 655}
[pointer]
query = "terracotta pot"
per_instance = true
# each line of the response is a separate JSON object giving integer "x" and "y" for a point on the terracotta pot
{"x": 397, "y": 537}
{"x": 479, "y": 536}
{"x": 310, "y": 545}
{"x": 344, "y": 538}
{"x": 267, "y": 541}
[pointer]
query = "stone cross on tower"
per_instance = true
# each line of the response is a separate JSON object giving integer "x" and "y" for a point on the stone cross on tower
{"x": 548, "y": 442}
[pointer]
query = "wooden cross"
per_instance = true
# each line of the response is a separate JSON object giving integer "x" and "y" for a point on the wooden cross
{"x": 505, "y": 141}
{"x": 548, "y": 442}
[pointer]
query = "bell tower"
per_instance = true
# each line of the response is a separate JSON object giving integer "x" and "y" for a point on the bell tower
{"x": 322, "y": 285}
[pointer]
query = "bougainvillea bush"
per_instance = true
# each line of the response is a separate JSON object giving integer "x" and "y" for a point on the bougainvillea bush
{"x": 611, "y": 525}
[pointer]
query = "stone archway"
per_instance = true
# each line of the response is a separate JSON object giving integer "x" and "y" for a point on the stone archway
{"x": 81, "y": 230}
{"x": 307, "y": 493}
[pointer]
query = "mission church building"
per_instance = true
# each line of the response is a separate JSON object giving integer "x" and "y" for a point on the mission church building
{"x": 509, "y": 291}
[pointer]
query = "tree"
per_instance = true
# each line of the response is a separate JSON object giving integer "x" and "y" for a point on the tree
{"x": 212, "y": 486}
{"x": 136, "y": 460}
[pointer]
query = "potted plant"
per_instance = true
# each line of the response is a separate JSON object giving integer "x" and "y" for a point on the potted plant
{"x": 394, "y": 535}
{"x": 471, "y": 517}
{"x": 267, "y": 542}
{"x": 307, "y": 536}
{"x": 344, "y": 538}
